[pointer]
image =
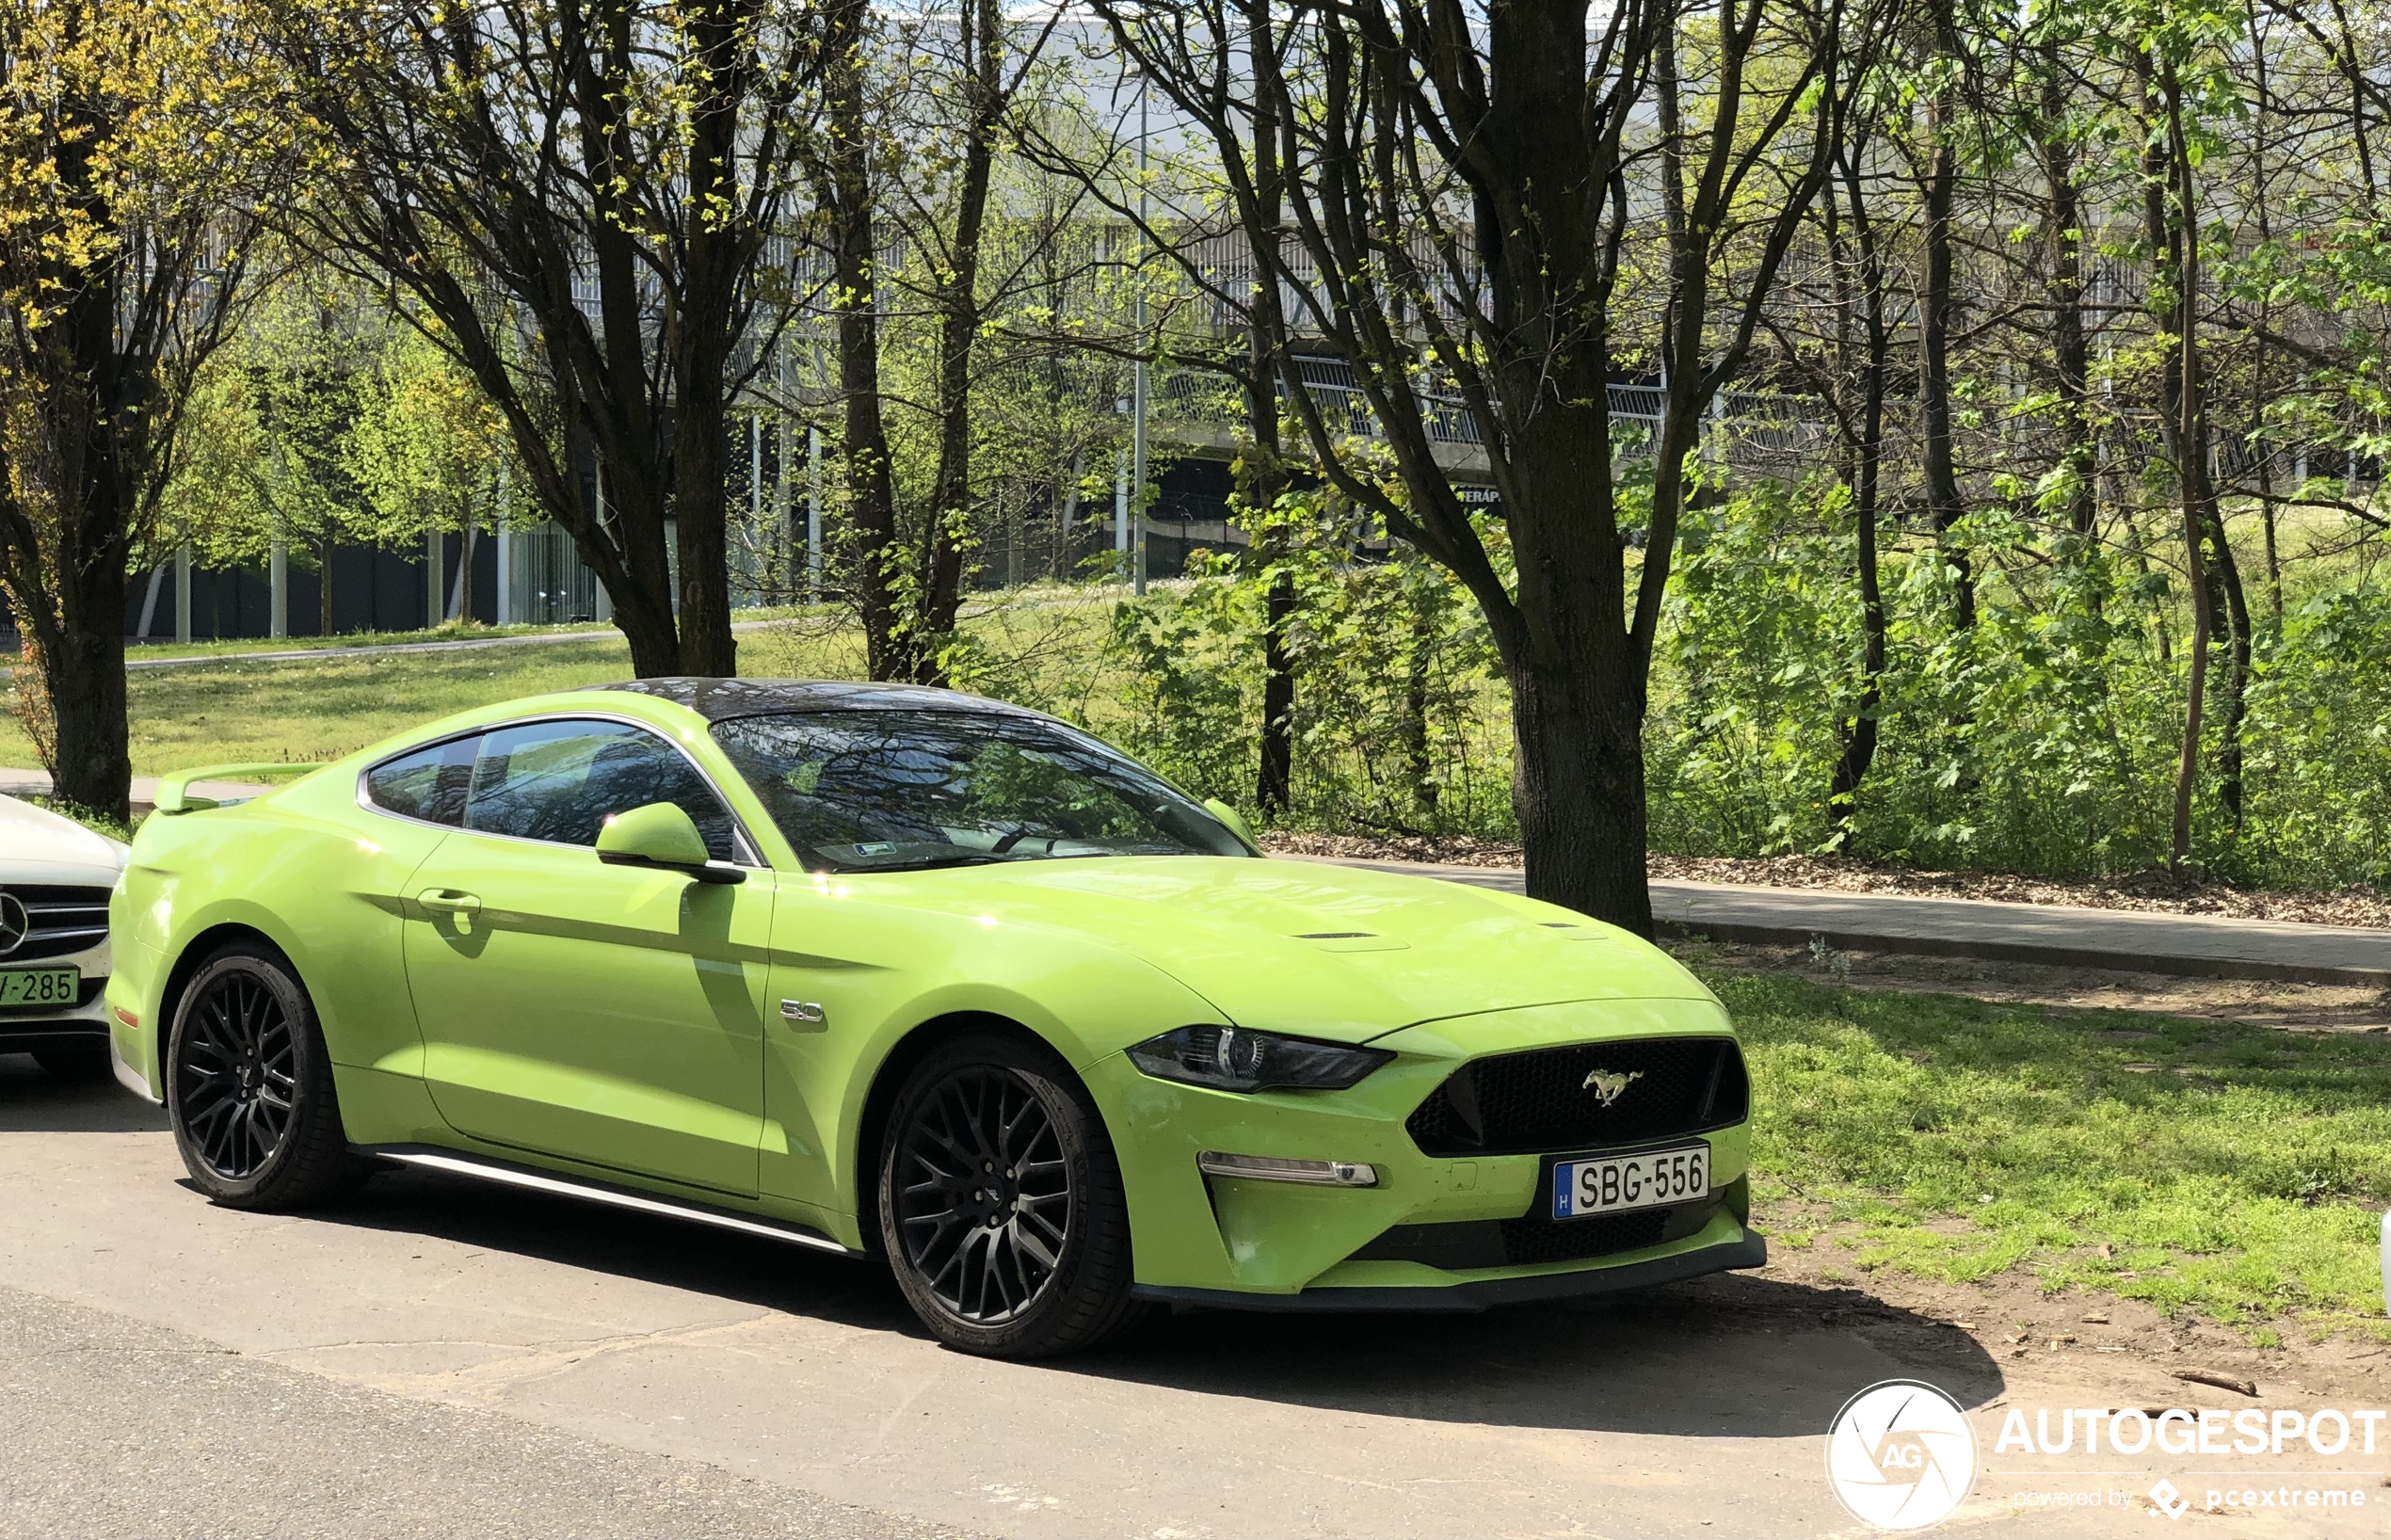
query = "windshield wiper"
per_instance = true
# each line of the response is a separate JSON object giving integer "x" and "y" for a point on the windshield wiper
{"x": 933, "y": 863}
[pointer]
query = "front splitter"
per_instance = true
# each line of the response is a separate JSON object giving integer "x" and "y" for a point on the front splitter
{"x": 1485, "y": 1293}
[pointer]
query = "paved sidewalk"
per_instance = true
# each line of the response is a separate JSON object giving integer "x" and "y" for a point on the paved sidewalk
{"x": 2193, "y": 945}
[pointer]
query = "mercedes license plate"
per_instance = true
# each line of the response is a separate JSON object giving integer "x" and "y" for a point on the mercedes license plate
{"x": 40, "y": 986}
{"x": 1615, "y": 1183}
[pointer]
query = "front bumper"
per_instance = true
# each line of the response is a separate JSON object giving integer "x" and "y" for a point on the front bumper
{"x": 1215, "y": 1240}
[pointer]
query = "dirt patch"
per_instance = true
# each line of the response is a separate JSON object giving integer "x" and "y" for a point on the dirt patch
{"x": 2150, "y": 892}
{"x": 1442, "y": 849}
{"x": 2125, "y": 1350}
{"x": 2297, "y": 1007}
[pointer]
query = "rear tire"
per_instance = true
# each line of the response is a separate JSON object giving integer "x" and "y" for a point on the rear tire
{"x": 249, "y": 1086}
{"x": 75, "y": 1061}
{"x": 1001, "y": 1203}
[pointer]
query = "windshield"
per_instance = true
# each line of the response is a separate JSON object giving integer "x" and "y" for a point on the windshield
{"x": 880, "y": 790}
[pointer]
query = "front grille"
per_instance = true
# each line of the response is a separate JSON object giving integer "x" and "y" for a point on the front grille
{"x": 64, "y": 920}
{"x": 1536, "y": 1237}
{"x": 1539, "y": 1101}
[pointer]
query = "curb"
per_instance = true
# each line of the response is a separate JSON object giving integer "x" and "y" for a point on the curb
{"x": 2026, "y": 952}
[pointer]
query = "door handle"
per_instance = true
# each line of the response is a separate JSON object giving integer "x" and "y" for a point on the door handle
{"x": 449, "y": 900}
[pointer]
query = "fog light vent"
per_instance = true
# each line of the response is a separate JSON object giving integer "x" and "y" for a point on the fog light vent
{"x": 1271, "y": 1168}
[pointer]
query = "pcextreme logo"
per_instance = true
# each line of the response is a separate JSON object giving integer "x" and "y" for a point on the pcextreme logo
{"x": 1900, "y": 1456}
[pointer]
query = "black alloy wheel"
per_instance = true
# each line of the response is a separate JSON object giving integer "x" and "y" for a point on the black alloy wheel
{"x": 1001, "y": 1203}
{"x": 249, "y": 1085}
{"x": 236, "y": 1078}
{"x": 984, "y": 1195}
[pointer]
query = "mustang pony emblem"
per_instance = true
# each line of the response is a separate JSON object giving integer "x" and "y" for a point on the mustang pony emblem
{"x": 1607, "y": 1087}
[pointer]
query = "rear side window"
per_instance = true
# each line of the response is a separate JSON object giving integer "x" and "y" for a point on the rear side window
{"x": 560, "y": 781}
{"x": 429, "y": 784}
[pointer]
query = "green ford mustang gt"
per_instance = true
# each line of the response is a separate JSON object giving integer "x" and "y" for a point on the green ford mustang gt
{"x": 896, "y": 971}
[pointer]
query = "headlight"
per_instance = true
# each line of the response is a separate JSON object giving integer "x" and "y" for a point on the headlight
{"x": 1231, "y": 1059}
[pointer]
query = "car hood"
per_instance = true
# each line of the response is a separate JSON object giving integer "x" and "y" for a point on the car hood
{"x": 38, "y": 845}
{"x": 1331, "y": 951}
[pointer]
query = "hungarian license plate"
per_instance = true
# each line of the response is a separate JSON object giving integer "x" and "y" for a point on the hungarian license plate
{"x": 1615, "y": 1183}
{"x": 41, "y": 987}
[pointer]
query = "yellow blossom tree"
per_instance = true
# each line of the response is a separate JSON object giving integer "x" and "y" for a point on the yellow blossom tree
{"x": 132, "y": 170}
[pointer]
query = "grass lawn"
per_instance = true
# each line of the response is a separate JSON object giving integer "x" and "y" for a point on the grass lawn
{"x": 322, "y": 708}
{"x": 2234, "y": 1172}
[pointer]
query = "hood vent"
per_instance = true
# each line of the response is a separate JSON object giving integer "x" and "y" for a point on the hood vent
{"x": 1353, "y": 940}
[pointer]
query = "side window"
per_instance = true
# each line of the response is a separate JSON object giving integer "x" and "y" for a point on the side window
{"x": 428, "y": 784}
{"x": 559, "y": 781}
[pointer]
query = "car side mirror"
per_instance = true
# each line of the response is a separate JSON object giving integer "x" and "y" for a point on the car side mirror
{"x": 662, "y": 836}
{"x": 1235, "y": 820}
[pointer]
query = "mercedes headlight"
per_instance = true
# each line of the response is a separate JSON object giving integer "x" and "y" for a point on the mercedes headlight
{"x": 1233, "y": 1059}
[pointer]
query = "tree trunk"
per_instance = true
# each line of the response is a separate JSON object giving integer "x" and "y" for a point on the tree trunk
{"x": 701, "y": 466}
{"x": 1577, "y": 679}
{"x": 83, "y": 671}
{"x": 1860, "y": 730}
{"x": 324, "y": 586}
{"x": 2224, "y": 574}
{"x": 2171, "y": 212}
{"x": 1262, "y": 468}
{"x": 715, "y": 257}
{"x": 1935, "y": 383}
{"x": 1856, "y": 254}
{"x": 1273, "y": 785}
{"x": 958, "y": 303}
{"x": 2063, "y": 297}
{"x": 845, "y": 175}
{"x": 1419, "y": 660}
{"x": 1577, "y": 788}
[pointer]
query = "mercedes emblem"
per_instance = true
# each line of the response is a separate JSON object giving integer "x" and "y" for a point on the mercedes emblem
{"x": 15, "y": 924}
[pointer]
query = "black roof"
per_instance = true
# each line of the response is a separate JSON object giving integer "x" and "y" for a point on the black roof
{"x": 720, "y": 700}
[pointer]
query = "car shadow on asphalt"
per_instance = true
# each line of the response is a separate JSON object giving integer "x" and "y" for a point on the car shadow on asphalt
{"x": 1742, "y": 1354}
{"x": 673, "y": 1253}
{"x": 1736, "y": 1354}
{"x": 33, "y": 1101}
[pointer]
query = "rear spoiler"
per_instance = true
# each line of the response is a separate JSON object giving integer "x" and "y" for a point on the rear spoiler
{"x": 175, "y": 793}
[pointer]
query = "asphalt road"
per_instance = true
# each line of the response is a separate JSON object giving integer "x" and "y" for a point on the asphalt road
{"x": 113, "y": 1426}
{"x": 441, "y": 1358}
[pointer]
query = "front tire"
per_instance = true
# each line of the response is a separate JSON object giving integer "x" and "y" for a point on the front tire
{"x": 1001, "y": 1203}
{"x": 249, "y": 1085}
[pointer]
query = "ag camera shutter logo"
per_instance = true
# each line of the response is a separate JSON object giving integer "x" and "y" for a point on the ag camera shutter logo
{"x": 1900, "y": 1456}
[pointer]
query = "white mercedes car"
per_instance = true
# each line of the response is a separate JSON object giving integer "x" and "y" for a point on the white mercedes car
{"x": 55, "y": 879}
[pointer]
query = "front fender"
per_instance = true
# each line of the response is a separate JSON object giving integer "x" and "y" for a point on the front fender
{"x": 879, "y": 975}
